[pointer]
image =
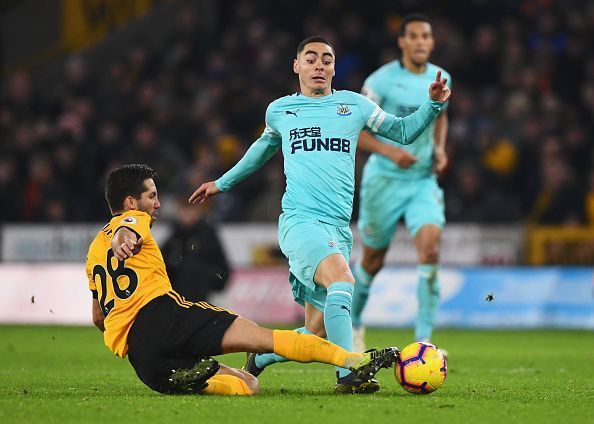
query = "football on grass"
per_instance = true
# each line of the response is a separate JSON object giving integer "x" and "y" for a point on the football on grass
{"x": 421, "y": 368}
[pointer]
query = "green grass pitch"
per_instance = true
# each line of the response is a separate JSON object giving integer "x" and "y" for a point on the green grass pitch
{"x": 65, "y": 374}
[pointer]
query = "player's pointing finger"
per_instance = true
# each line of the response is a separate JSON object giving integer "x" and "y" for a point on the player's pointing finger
{"x": 195, "y": 195}
{"x": 438, "y": 76}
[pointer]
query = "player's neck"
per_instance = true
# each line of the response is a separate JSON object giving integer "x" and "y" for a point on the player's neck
{"x": 308, "y": 92}
{"x": 412, "y": 67}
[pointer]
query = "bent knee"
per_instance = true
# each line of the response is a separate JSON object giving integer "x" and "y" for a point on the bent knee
{"x": 373, "y": 259}
{"x": 429, "y": 252}
{"x": 333, "y": 268}
{"x": 342, "y": 275}
{"x": 429, "y": 255}
{"x": 373, "y": 265}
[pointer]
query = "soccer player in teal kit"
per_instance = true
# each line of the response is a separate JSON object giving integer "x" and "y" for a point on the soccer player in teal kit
{"x": 401, "y": 182}
{"x": 317, "y": 130}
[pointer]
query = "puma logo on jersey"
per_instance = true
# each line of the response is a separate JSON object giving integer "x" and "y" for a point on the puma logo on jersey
{"x": 290, "y": 112}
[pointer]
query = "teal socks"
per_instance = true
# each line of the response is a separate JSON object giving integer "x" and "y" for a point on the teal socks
{"x": 362, "y": 287}
{"x": 428, "y": 298}
{"x": 337, "y": 317}
{"x": 337, "y": 320}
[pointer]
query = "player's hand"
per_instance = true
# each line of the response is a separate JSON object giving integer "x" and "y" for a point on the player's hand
{"x": 438, "y": 90}
{"x": 126, "y": 249}
{"x": 440, "y": 160}
{"x": 203, "y": 192}
{"x": 400, "y": 157}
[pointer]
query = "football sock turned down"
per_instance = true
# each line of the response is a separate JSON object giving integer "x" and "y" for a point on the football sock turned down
{"x": 428, "y": 298}
{"x": 309, "y": 348}
{"x": 265, "y": 359}
{"x": 362, "y": 286}
{"x": 337, "y": 317}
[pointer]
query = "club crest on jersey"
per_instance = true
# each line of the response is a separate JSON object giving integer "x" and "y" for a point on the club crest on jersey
{"x": 343, "y": 110}
{"x": 130, "y": 220}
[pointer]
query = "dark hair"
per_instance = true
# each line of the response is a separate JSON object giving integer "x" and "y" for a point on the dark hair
{"x": 412, "y": 17}
{"x": 127, "y": 180}
{"x": 313, "y": 39}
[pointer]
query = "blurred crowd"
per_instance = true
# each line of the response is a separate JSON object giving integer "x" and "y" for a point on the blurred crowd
{"x": 520, "y": 144}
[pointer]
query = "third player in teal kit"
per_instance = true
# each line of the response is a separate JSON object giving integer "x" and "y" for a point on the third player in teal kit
{"x": 317, "y": 131}
{"x": 400, "y": 182}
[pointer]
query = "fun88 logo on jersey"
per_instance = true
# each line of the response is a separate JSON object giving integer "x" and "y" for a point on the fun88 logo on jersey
{"x": 315, "y": 142}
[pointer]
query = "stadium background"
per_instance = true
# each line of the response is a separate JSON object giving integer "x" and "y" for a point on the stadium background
{"x": 183, "y": 86}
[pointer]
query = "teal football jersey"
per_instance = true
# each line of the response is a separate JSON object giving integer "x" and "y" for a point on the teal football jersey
{"x": 400, "y": 92}
{"x": 318, "y": 137}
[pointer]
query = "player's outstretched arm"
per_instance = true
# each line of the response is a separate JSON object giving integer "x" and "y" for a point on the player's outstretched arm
{"x": 406, "y": 130}
{"x": 257, "y": 155}
{"x": 203, "y": 192}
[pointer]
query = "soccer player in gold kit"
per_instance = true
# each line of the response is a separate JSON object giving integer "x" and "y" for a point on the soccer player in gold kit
{"x": 168, "y": 340}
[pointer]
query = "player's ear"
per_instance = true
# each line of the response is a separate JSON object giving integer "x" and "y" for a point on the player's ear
{"x": 130, "y": 203}
{"x": 400, "y": 42}
{"x": 295, "y": 66}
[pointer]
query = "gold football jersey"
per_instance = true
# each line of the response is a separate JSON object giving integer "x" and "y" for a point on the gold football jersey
{"x": 123, "y": 287}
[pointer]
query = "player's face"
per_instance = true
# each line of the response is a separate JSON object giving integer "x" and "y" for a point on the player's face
{"x": 315, "y": 67}
{"x": 417, "y": 42}
{"x": 149, "y": 200}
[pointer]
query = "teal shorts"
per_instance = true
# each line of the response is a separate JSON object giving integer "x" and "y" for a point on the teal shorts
{"x": 306, "y": 242}
{"x": 384, "y": 200}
